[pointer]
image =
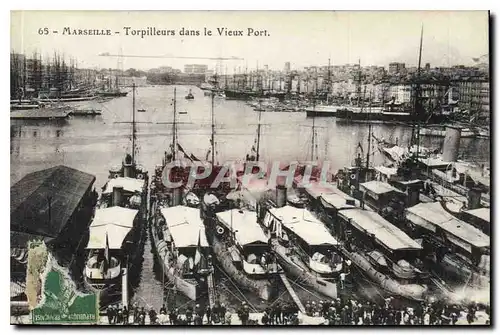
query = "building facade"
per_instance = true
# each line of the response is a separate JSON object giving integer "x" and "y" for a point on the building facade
{"x": 129, "y": 81}
{"x": 396, "y": 67}
{"x": 195, "y": 68}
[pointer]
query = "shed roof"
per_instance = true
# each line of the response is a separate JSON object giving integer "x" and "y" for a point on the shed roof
{"x": 59, "y": 188}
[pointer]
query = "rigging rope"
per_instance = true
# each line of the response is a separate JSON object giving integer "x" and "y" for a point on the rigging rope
{"x": 235, "y": 286}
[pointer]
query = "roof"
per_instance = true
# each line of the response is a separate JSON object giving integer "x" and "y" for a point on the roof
{"x": 432, "y": 214}
{"x": 482, "y": 213}
{"x": 336, "y": 201}
{"x": 129, "y": 184}
{"x": 185, "y": 226}
{"x": 384, "y": 232}
{"x": 115, "y": 215}
{"x": 386, "y": 170}
{"x": 245, "y": 225}
{"x": 434, "y": 162}
{"x": 318, "y": 189}
{"x": 304, "y": 225}
{"x": 62, "y": 187}
{"x": 378, "y": 187}
{"x": 112, "y": 222}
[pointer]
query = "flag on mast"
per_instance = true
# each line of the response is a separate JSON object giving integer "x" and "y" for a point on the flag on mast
{"x": 105, "y": 265}
{"x": 197, "y": 256}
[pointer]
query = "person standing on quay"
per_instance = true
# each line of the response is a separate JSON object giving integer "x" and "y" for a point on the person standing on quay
{"x": 125, "y": 315}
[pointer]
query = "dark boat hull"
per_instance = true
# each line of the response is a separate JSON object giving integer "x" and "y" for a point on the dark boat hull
{"x": 247, "y": 95}
{"x": 191, "y": 288}
{"x": 261, "y": 287}
{"x": 112, "y": 94}
{"x": 346, "y": 115}
{"x": 307, "y": 278}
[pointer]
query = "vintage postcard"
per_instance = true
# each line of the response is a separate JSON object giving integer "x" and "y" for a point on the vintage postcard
{"x": 250, "y": 168}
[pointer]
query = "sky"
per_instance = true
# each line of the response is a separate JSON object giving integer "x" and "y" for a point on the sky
{"x": 303, "y": 38}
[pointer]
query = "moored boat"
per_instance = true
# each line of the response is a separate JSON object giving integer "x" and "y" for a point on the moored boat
{"x": 182, "y": 249}
{"x": 384, "y": 255}
{"x": 126, "y": 190}
{"x": 190, "y": 96}
{"x": 304, "y": 248}
{"x": 460, "y": 251}
{"x": 113, "y": 235}
{"x": 242, "y": 250}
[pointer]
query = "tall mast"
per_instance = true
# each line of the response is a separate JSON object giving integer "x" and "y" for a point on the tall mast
{"x": 312, "y": 139}
{"x": 313, "y": 129}
{"x": 369, "y": 133}
{"x": 359, "y": 82}
{"x": 328, "y": 83}
{"x": 213, "y": 131}
{"x": 133, "y": 122}
{"x": 225, "y": 79}
{"x": 174, "y": 126}
{"x": 415, "y": 135}
{"x": 315, "y": 92}
{"x": 258, "y": 133}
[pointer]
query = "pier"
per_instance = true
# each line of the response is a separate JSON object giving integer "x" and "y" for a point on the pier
{"x": 39, "y": 114}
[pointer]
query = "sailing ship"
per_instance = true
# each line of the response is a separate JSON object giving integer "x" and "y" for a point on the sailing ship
{"x": 391, "y": 112}
{"x": 118, "y": 230}
{"x": 181, "y": 248}
{"x": 112, "y": 90}
{"x": 190, "y": 96}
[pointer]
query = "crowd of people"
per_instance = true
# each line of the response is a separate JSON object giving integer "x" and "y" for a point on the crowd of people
{"x": 353, "y": 312}
{"x": 196, "y": 315}
{"x": 336, "y": 312}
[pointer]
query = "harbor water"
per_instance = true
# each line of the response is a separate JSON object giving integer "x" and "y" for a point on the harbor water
{"x": 95, "y": 143}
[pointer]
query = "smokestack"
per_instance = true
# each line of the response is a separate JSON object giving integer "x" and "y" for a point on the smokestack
{"x": 117, "y": 195}
{"x": 474, "y": 198}
{"x": 280, "y": 196}
{"x": 413, "y": 194}
{"x": 128, "y": 167}
{"x": 451, "y": 144}
{"x": 176, "y": 196}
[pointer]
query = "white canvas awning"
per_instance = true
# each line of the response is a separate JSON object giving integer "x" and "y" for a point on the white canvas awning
{"x": 185, "y": 226}
{"x": 244, "y": 224}
{"x": 129, "y": 184}
{"x": 303, "y": 223}
{"x": 113, "y": 222}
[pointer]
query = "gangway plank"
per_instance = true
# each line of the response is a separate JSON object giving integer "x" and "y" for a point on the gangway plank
{"x": 292, "y": 293}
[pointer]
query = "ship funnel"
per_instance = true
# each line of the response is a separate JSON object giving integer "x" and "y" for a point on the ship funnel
{"x": 176, "y": 196}
{"x": 451, "y": 144}
{"x": 117, "y": 195}
{"x": 413, "y": 194}
{"x": 474, "y": 198}
{"x": 280, "y": 196}
{"x": 128, "y": 167}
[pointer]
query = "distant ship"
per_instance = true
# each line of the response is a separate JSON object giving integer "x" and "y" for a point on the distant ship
{"x": 190, "y": 96}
